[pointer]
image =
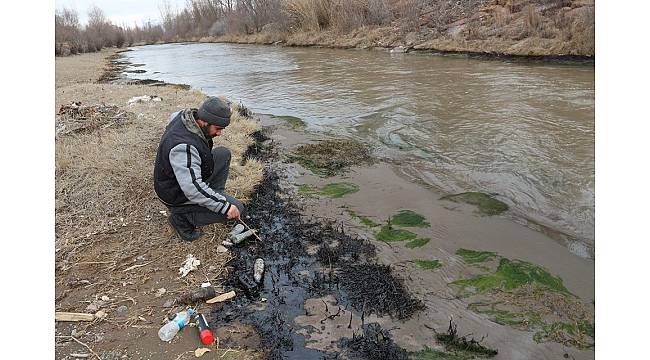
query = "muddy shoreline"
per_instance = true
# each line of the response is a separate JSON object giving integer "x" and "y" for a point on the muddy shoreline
{"x": 584, "y": 60}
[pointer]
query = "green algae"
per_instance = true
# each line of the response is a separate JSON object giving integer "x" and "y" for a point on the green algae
{"x": 333, "y": 190}
{"x": 427, "y": 264}
{"x": 486, "y": 204}
{"x": 417, "y": 243}
{"x": 579, "y": 334}
{"x": 390, "y": 234}
{"x": 432, "y": 354}
{"x": 331, "y": 157}
{"x": 512, "y": 274}
{"x": 474, "y": 257}
{"x": 409, "y": 218}
{"x": 364, "y": 219}
{"x": 520, "y": 320}
{"x": 294, "y": 122}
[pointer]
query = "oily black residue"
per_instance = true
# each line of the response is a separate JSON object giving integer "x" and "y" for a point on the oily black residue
{"x": 374, "y": 344}
{"x": 373, "y": 288}
{"x": 292, "y": 275}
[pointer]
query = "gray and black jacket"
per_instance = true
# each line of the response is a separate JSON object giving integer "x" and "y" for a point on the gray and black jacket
{"x": 183, "y": 160}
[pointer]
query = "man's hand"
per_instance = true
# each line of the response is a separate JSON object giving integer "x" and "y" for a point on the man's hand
{"x": 233, "y": 212}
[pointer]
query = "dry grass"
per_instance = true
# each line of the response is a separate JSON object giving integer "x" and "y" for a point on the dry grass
{"x": 111, "y": 236}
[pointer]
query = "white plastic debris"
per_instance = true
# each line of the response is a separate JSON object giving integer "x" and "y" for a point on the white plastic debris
{"x": 205, "y": 284}
{"x": 258, "y": 270}
{"x": 236, "y": 230}
{"x": 236, "y": 239}
{"x": 144, "y": 98}
{"x": 225, "y": 243}
{"x": 190, "y": 264}
{"x": 222, "y": 249}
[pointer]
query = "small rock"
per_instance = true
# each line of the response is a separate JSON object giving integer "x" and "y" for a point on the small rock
{"x": 169, "y": 303}
{"x": 160, "y": 292}
{"x": 105, "y": 298}
{"x": 141, "y": 258}
{"x": 222, "y": 249}
{"x": 100, "y": 314}
{"x": 92, "y": 307}
{"x": 122, "y": 309}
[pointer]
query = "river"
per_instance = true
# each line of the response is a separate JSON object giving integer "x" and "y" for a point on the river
{"x": 522, "y": 131}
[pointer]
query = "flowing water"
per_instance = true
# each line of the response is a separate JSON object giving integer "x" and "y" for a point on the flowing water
{"x": 522, "y": 131}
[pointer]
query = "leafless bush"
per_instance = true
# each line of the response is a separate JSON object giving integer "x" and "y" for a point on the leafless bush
{"x": 532, "y": 19}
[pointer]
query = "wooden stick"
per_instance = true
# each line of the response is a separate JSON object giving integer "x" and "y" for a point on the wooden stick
{"x": 69, "y": 316}
{"x": 249, "y": 228}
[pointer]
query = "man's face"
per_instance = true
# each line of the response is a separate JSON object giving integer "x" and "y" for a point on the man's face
{"x": 213, "y": 130}
{"x": 208, "y": 129}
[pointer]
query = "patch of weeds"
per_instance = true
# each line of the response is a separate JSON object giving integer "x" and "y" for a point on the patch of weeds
{"x": 432, "y": 354}
{"x": 334, "y": 190}
{"x": 486, "y": 204}
{"x": 473, "y": 257}
{"x": 332, "y": 157}
{"x": 417, "y": 243}
{"x": 364, "y": 219}
{"x": 390, "y": 234}
{"x": 579, "y": 334}
{"x": 294, "y": 122}
{"x": 427, "y": 264}
{"x": 460, "y": 345}
{"x": 409, "y": 218}
{"x": 512, "y": 274}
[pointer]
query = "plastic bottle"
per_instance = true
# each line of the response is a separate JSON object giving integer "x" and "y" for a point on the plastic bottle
{"x": 169, "y": 330}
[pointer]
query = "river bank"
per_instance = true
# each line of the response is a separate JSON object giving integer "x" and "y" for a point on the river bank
{"x": 514, "y": 30}
{"x": 434, "y": 270}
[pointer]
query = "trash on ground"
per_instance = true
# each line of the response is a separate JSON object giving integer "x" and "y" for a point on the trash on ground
{"x": 200, "y": 351}
{"x": 69, "y": 316}
{"x": 221, "y": 298}
{"x": 169, "y": 330}
{"x": 190, "y": 264}
{"x": 236, "y": 230}
{"x": 225, "y": 243}
{"x": 205, "y": 284}
{"x": 258, "y": 270}
{"x": 248, "y": 284}
{"x": 205, "y": 333}
{"x": 195, "y": 296}
{"x": 122, "y": 309}
{"x": 144, "y": 98}
{"x": 236, "y": 239}
{"x": 222, "y": 249}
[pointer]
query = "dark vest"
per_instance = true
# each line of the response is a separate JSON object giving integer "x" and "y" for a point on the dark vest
{"x": 165, "y": 182}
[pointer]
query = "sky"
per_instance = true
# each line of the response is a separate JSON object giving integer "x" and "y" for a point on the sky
{"x": 120, "y": 12}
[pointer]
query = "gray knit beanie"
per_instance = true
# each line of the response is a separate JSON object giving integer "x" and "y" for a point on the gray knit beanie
{"x": 215, "y": 112}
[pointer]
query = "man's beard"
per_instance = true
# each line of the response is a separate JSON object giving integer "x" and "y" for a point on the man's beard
{"x": 204, "y": 129}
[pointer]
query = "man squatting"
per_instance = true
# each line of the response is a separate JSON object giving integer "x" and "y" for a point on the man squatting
{"x": 189, "y": 175}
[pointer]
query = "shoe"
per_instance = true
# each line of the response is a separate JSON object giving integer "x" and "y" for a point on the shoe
{"x": 184, "y": 229}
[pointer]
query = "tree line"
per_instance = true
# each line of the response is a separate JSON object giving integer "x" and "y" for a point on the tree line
{"x": 201, "y": 18}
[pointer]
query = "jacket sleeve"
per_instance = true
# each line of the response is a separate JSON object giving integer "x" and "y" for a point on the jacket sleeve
{"x": 186, "y": 164}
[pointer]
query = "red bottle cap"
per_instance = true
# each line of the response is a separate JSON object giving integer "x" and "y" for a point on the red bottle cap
{"x": 206, "y": 337}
